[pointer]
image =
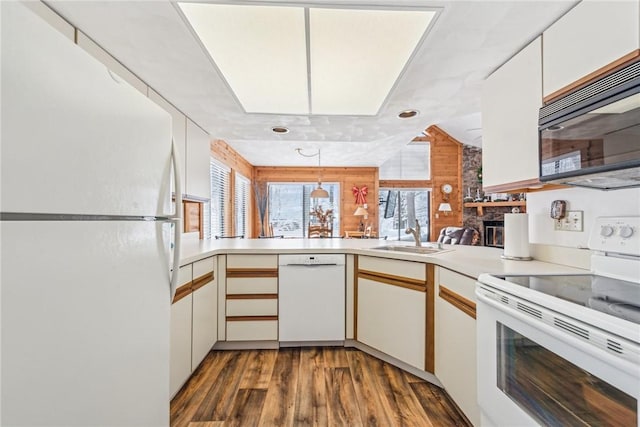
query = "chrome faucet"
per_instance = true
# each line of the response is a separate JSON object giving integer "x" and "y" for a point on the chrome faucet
{"x": 415, "y": 232}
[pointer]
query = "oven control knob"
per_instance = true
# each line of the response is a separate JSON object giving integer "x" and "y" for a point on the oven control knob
{"x": 606, "y": 231}
{"x": 625, "y": 232}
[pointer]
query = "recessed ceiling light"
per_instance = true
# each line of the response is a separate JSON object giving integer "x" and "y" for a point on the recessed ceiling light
{"x": 280, "y": 129}
{"x": 407, "y": 114}
{"x": 555, "y": 127}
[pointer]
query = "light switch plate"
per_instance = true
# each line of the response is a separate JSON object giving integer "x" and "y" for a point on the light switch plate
{"x": 573, "y": 221}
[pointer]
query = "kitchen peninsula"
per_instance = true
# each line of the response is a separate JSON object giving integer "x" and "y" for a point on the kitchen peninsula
{"x": 416, "y": 311}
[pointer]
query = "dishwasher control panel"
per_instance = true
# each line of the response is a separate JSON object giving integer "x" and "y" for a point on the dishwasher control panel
{"x": 312, "y": 259}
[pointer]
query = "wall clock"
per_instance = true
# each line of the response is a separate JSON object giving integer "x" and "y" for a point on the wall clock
{"x": 447, "y": 188}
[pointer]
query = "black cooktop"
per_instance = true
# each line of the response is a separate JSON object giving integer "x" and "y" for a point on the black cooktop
{"x": 616, "y": 297}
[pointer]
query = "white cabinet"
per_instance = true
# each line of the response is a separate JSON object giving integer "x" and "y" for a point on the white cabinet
{"x": 391, "y": 308}
{"x": 455, "y": 340}
{"x": 179, "y": 127}
{"x": 198, "y": 181}
{"x": 194, "y": 316}
{"x": 180, "y": 335}
{"x": 511, "y": 98}
{"x": 205, "y": 309}
{"x": 251, "y": 298}
{"x": 116, "y": 68}
{"x": 590, "y": 36}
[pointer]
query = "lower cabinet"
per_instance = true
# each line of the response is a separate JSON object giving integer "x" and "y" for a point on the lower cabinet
{"x": 251, "y": 298}
{"x": 455, "y": 340}
{"x": 193, "y": 320}
{"x": 392, "y": 309}
{"x": 180, "y": 333}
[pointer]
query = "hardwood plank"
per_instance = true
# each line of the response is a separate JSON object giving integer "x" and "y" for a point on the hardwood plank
{"x": 311, "y": 405}
{"x": 247, "y": 408}
{"x": 206, "y": 424}
{"x": 372, "y": 412}
{"x": 335, "y": 357}
{"x": 187, "y": 401}
{"x": 342, "y": 405}
{"x": 442, "y": 412}
{"x": 219, "y": 399}
{"x": 410, "y": 410}
{"x": 280, "y": 400}
{"x": 259, "y": 369}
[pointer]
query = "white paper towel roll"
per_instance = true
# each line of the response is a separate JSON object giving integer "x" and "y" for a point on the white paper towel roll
{"x": 516, "y": 236}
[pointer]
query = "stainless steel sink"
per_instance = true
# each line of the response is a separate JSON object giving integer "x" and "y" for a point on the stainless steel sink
{"x": 412, "y": 249}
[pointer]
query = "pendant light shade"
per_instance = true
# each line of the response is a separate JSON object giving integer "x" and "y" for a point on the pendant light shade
{"x": 318, "y": 192}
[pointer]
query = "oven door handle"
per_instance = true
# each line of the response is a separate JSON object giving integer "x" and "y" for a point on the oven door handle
{"x": 590, "y": 348}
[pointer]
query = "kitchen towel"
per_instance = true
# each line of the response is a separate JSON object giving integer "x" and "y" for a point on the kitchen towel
{"x": 516, "y": 236}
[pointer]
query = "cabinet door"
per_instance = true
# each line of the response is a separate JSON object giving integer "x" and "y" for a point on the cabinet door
{"x": 590, "y": 36}
{"x": 392, "y": 319}
{"x": 455, "y": 341}
{"x": 198, "y": 181}
{"x": 205, "y": 310}
{"x": 180, "y": 334}
{"x": 180, "y": 355}
{"x": 179, "y": 128}
{"x": 511, "y": 98}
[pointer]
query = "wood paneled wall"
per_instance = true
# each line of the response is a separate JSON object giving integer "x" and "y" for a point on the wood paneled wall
{"x": 346, "y": 177}
{"x": 446, "y": 168}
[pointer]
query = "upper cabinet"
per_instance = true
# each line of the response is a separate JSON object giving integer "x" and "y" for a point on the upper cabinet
{"x": 586, "y": 41}
{"x": 511, "y": 98}
{"x": 198, "y": 181}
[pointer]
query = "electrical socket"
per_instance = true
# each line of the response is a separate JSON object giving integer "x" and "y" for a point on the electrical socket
{"x": 571, "y": 222}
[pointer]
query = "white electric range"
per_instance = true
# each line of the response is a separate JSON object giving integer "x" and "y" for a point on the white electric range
{"x": 564, "y": 350}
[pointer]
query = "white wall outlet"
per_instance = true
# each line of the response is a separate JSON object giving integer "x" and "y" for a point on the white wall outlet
{"x": 571, "y": 222}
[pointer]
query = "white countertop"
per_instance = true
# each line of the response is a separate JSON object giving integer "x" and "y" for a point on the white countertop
{"x": 468, "y": 260}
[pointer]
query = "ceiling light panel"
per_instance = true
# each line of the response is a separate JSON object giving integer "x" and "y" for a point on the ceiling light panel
{"x": 357, "y": 56}
{"x": 260, "y": 50}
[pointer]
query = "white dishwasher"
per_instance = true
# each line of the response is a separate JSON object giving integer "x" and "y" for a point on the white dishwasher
{"x": 311, "y": 298}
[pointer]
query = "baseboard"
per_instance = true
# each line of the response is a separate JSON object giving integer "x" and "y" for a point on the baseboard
{"x": 246, "y": 345}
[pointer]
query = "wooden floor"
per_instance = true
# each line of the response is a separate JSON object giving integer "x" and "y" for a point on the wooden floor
{"x": 309, "y": 386}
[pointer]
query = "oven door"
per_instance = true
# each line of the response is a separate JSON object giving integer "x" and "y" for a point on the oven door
{"x": 531, "y": 373}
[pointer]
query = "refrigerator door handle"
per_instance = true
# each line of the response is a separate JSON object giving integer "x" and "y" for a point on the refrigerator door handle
{"x": 176, "y": 220}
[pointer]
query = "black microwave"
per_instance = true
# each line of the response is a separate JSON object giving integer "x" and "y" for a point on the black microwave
{"x": 591, "y": 137}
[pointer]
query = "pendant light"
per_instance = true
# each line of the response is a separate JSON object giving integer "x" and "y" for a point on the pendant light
{"x": 318, "y": 192}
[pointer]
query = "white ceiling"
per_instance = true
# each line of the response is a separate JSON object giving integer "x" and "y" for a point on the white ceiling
{"x": 468, "y": 40}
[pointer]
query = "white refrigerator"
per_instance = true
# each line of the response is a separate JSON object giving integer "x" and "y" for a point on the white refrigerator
{"x": 87, "y": 227}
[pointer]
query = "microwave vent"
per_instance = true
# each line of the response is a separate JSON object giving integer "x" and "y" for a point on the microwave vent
{"x": 529, "y": 310}
{"x": 575, "y": 330}
{"x": 584, "y": 95}
{"x": 614, "y": 346}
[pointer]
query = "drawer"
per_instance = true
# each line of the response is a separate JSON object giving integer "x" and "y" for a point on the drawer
{"x": 252, "y": 307}
{"x": 462, "y": 285}
{"x": 412, "y": 270}
{"x": 252, "y": 261}
{"x": 202, "y": 267}
{"x": 252, "y": 285}
{"x": 252, "y": 330}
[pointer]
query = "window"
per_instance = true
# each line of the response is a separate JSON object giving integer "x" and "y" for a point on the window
{"x": 219, "y": 195}
{"x": 399, "y": 209}
{"x": 241, "y": 205}
{"x": 290, "y": 204}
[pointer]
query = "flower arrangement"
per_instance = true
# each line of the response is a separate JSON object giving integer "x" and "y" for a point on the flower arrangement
{"x": 323, "y": 217}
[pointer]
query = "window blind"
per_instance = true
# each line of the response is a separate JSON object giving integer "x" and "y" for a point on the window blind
{"x": 219, "y": 196}
{"x": 241, "y": 205}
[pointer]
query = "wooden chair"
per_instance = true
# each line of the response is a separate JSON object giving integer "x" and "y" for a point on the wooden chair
{"x": 320, "y": 230}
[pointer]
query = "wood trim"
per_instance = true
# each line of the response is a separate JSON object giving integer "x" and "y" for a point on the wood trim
{"x": 429, "y": 353}
{"x": 524, "y": 186}
{"x": 481, "y": 205}
{"x": 251, "y": 272}
{"x": 250, "y": 318}
{"x": 355, "y": 297}
{"x": 251, "y": 296}
{"x": 591, "y": 77}
{"x": 182, "y": 292}
{"x": 389, "y": 279}
{"x": 202, "y": 280}
{"x": 458, "y": 301}
{"x": 396, "y": 183}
